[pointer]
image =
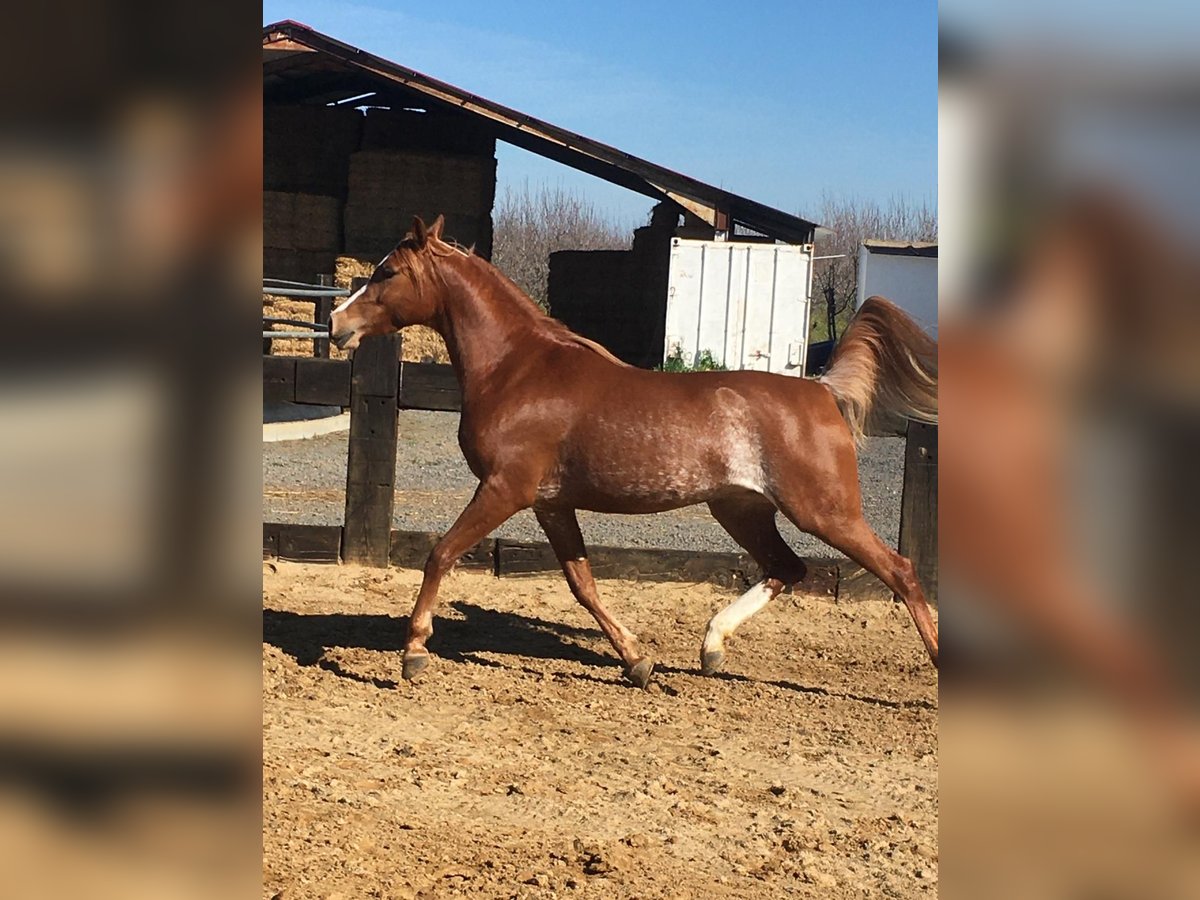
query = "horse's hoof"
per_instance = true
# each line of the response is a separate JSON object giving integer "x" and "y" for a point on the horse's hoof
{"x": 414, "y": 665}
{"x": 710, "y": 661}
{"x": 639, "y": 673}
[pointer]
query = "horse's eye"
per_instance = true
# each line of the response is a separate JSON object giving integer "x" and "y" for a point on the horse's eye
{"x": 382, "y": 274}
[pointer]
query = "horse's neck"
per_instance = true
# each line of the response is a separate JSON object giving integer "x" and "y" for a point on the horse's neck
{"x": 483, "y": 320}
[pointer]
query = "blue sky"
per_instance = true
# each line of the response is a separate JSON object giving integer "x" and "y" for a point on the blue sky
{"x": 778, "y": 101}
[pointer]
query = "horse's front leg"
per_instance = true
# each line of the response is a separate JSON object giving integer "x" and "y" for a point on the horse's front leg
{"x": 493, "y": 504}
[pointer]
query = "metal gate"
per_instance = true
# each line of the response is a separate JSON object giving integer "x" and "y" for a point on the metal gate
{"x": 746, "y": 303}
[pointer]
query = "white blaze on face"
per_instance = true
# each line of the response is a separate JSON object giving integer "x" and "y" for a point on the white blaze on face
{"x": 726, "y": 622}
{"x": 346, "y": 303}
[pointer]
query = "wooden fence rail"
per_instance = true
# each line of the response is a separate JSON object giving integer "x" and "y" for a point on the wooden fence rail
{"x": 326, "y": 382}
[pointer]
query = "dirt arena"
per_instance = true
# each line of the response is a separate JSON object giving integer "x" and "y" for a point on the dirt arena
{"x": 523, "y": 765}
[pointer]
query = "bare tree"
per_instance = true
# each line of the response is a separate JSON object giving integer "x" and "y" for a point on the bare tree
{"x": 835, "y": 281}
{"x": 530, "y": 224}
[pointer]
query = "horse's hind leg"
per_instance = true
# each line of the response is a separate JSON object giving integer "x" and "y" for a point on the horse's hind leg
{"x": 861, "y": 544}
{"x": 750, "y": 520}
{"x": 562, "y": 528}
{"x": 844, "y": 528}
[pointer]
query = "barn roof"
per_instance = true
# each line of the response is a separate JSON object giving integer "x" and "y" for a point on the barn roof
{"x": 301, "y": 65}
{"x": 902, "y": 248}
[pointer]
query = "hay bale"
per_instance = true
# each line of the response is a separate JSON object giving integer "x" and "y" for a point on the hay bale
{"x": 371, "y": 231}
{"x": 392, "y": 129}
{"x": 387, "y": 188}
{"x": 407, "y": 180}
{"x": 306, "y": 149}
{"x": 297, "y": 265}
{"x": 291, "y": 308}
{"x": 347, "y": 268}
{"x": 294, "y": 221}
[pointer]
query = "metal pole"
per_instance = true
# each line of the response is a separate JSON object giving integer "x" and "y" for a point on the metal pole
{"x": 305, "y": 292}
{"x": 832, "y": 318}
{"x": 807, "y": 312}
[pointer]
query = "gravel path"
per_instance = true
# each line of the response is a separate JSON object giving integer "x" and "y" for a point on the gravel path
{"x": 305, "y": 481}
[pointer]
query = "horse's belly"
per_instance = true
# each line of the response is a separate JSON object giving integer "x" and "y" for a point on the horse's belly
{"x": 662, "y": 463}
{"x": 644, "y": 491}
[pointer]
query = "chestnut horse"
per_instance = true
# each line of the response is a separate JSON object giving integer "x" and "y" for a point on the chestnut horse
{"x": 553, "y": 421}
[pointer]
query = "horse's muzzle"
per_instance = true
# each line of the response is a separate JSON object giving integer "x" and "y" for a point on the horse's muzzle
{"x": 342, "y": 338}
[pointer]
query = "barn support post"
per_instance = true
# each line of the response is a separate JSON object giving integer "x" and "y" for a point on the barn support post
{"x": 919, "y": 505}
{"x": 371, "y": 462}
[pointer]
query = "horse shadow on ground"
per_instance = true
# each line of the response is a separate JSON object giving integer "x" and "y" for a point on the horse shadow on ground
{"x": 306, "y": 637}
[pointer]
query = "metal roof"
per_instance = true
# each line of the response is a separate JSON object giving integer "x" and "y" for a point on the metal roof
{"x": 301, "y": 65}
{"x": 902, "y": 248}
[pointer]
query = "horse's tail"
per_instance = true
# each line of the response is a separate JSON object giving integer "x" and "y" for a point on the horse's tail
{"x": 884, "y": 364}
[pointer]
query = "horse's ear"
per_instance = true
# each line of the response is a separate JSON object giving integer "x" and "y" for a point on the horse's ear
{"x": 419, "y": 232}
{"x": 435, "y": 230}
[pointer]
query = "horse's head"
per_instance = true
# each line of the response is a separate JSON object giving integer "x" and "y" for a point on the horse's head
{"x": 401, "y": 291}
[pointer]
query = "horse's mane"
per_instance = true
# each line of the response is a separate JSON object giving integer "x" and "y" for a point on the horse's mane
{"x": 562, "y": 334}
{"x": 419, "y": 265}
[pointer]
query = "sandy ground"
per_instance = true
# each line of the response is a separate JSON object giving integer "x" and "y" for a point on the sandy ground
{"x": 523, "y": 765}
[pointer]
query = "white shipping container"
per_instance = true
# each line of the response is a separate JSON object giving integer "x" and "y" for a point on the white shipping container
{"x": 905, "y": 274}
{"x": 746, "y": 303}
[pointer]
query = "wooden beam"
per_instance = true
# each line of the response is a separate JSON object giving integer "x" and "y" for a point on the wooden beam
{"x": 707, "y": 213}
{"x": 306, "y": 543}
{"x": 919, "y": 505}
{"x": 279, "y": 44}
{"x": 410, "y": 549}
{"x": 832, "y": 579}
{"x": 734, "y": 570}
{"x": 429, "y": 386}
{"x": 322, "y": 309}
{"x": 323, "y": 381}
{"x": 279, "y": 379}
{"x": 371, "y": 460}
{"x": 271, "y": 540}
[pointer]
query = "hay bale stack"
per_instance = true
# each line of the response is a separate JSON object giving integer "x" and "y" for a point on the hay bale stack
{"x": 347, "y": 268}
{"x": 297, "y": 265}
{"x": 301, "y": 221}
{"x": 464, "y": 184}
{"x": 306, "y": 149}
{"x": 388, "y": 187}
{"x": 396, "y": 129}
{"x": 288, "y": 308}
{"x": 302, "y": 234}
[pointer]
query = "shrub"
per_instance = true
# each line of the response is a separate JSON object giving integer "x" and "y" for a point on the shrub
{"x": 704, "y": 362}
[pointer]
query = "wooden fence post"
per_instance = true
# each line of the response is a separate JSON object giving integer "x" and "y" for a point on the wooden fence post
{"x": 322, "y": 307}
{"x": 371, "y": 462}
{"x": 919, "y": 505}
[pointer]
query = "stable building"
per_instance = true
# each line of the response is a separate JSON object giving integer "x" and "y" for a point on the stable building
{"x": 354, "y": 146}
